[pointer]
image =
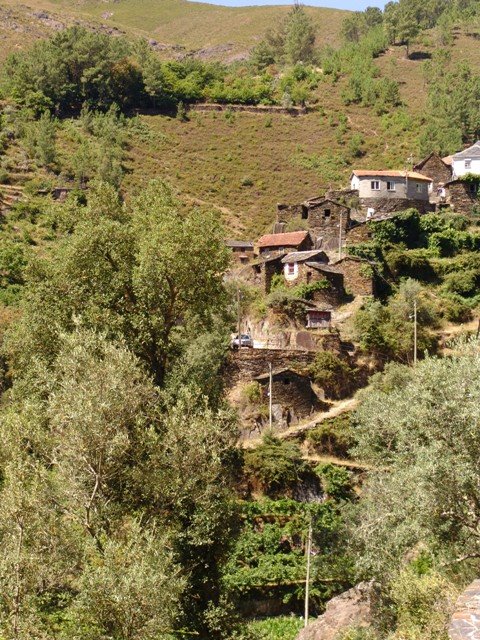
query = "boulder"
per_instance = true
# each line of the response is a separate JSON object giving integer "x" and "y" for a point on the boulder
{"x": 351, "y": 609}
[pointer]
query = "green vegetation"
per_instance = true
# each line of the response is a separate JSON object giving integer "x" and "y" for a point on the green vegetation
{"x": 333, "y": 374}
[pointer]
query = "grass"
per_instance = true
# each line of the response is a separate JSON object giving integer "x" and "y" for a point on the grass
{"x": 193, "y": 25}
{"x": 280, "y": 628}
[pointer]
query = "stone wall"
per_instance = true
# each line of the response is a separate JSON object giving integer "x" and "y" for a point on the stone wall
{"x": 294, "y": 393}
{"x": 465, "y": 623}
{"x": 390, "y": 205}
{"x": 245, "y": 365}
{"x": 248, "y": 108}
{"x": 460, "y": 198}
{"x": 358, "y": 276}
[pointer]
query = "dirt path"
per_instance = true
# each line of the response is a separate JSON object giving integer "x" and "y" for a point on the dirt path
{"x": 341, "y": 462}
{"x": 342, "y": 406}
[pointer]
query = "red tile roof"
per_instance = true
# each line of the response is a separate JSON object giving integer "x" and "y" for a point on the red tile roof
{"x": 292, "y": 239}
{"x": 413, "y": 175}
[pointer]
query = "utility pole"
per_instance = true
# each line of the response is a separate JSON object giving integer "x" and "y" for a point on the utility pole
{"x": 415, "y": 331}
{"x": 307, "y": 579}
{"x": 239, "y": 318}
{"x": 270, "y": 399}
{"x": 340, "y": 237}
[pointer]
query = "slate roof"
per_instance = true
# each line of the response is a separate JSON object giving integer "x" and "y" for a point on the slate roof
{"x": 319, "y": 266}
{"x": 239, "y": 244}
{"x": 471, "y": 152}
{"x": 303, "y": 256}
{"x": 292, "y": 239}
{"x": 419, "y": 166}
{"x": 280, "y": 371}
{"x": 412, "y": 175}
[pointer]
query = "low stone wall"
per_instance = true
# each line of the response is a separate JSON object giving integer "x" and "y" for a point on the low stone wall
{"x": 248, "y": 108}
{"x": 465, "y": 624}
{"x": 390, "y": 205}
{"x": 247, "y": 364}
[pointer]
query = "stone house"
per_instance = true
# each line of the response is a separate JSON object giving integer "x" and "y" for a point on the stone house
{"x": 463, "y": 195}
{"x": 358, "y": 275}
{"x": 466, "y": 161}
{"x": 436, "y": 168}
{"x": 260, "y": 271}
{"x": 381, "y": 192}
{"x": 326, "y": 219}
{"x": 281, "y": 242}
{"x": 293, "y": 397}
{"x": 242, "y": 251}
{"x": 295, "y": 270}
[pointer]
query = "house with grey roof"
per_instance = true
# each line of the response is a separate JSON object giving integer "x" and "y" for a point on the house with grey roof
{"x": 467, "y": 161}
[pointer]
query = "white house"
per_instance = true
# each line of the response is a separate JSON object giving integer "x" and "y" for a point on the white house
{"x": 407, "y": 185}
{"x": 467, "y": 161}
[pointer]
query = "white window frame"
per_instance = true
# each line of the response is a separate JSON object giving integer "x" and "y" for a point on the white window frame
{"x": 468, "y": 163}
{"x": 291, "y": 268}
{"x": 419, "y": 186}
{"x": 375, "y": 185}
{"x": 391, "y": 185}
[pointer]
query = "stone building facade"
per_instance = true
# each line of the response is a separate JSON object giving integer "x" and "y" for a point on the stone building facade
{"x": 242, "y": 251}
{"x": 434, "y": 167}
{"x": 292, "y": 391}
{"x": 326, "y": 219}
{"x": 260, "y": 272}
{"x": 463, "y": 196}
{"x": 358, "y": 275}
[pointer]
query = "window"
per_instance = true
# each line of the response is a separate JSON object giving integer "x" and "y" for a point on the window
{"x": 473, "y": 188}
{"x": 419, "y": 187}
{"x": 326, "y": 213}
{"x": 468, "y": 164}
{"x": 291, "y": 268}
{"x": 375, "y": 185}
{"x": 391, "y": 186}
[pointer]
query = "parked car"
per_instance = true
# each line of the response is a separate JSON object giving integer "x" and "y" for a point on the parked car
{"x": 244, "y": 341}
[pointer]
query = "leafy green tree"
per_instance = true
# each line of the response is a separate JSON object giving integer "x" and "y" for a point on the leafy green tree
{"x": 421, "y": 435}
{"x": 131, "y": 276}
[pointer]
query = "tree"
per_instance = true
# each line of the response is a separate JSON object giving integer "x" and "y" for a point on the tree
{"x": 130, "y": 275}
{"x": 299, "y": 36}
{"x": 421, "y": 434}
{"x": 115, "y": 488}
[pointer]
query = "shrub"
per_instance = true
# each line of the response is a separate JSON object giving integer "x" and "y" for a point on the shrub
{"x": 333, "y": 374}
{"x": 455, "y": 309}
{"x": 332, "y": 437}
{"x": 276, "y": 464}
{"x": 252, "y": 392}
{"x": 463, "y": 283}
{"x": 336, "y": 481}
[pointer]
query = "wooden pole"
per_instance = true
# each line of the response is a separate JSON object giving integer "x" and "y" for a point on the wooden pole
{"x": 307, "y": 579}
{"x": 340, "y": 237}
{"x": 415, "y": 332}
{"x": 270, "y": 399}
{"x": 239, "y": 318}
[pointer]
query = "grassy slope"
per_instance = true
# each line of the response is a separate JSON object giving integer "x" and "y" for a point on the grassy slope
{"x": 288, "y": 159}
{"x": 190, "y": 24}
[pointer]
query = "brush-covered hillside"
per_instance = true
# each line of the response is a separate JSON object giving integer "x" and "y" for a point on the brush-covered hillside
{"x": 368, "y": 104}
{"x": 176, "y": 26}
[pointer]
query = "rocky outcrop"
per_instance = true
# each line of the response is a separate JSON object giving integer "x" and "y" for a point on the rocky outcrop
{"x": 465, "y": 624}
{"x": 352, "y": 609}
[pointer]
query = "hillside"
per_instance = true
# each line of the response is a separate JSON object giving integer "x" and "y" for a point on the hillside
{"x": 215, "y": 32}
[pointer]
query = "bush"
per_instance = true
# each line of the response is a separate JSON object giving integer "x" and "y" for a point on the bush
{"x": 332, "y": 437}
{"x": 336, "y": 481}
{"x": 455, "y": 309}
{"x": 463, "y": 283}
{"x": 275, "y": 464}
{"x": 334, "y": 375}
{"x": 252, "y": 392}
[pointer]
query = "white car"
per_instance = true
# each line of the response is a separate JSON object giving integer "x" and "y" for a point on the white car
{"x": 244, "y": 341}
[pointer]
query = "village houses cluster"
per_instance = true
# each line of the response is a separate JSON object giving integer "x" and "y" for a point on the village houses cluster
{"x": 310, "y": 244}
